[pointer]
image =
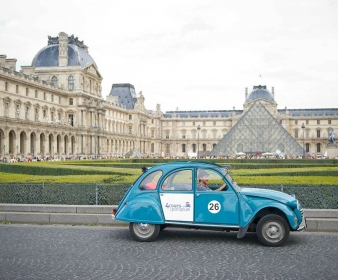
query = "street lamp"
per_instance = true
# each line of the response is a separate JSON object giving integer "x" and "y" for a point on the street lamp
{"x": 198, "y": 141}
{"x": 303, "y": 127}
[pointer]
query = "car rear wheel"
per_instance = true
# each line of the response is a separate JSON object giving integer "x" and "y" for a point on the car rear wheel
{"x": 272, "y": 230}
{"x": 144, "y": 232}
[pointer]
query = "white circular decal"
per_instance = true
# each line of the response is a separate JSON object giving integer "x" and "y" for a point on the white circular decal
{"x": 214, "y": 206}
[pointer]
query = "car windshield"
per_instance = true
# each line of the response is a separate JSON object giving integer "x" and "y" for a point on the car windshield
{"x": 226, "y": 172}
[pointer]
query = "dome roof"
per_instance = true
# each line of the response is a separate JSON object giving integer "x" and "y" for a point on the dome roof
{"x": 49, "y": 55}
{"x": 260, "y": 92}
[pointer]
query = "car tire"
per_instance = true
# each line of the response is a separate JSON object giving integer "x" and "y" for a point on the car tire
{"x": 272, "y": 230}
{"x": 144, "y": 232}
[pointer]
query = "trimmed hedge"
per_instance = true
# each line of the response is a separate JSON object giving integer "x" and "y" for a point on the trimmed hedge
{"x": 53, "y": 171}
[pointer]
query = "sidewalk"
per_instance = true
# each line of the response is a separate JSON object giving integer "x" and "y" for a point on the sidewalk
{"x": 325, "y": 220}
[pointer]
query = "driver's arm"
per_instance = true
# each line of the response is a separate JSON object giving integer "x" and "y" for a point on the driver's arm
{"x": 224, "y": 186}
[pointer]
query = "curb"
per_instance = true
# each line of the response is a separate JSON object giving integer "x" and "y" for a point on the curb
{"x": 318, "y": 220}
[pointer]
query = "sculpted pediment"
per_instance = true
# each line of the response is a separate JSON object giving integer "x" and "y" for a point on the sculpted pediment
{"x": 93, "y": 70}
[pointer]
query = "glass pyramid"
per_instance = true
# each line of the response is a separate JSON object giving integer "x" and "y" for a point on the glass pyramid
{"x": 257, "y": 131}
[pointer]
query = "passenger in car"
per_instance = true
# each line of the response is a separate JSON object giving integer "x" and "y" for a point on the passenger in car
{"x": 203, "y": 182}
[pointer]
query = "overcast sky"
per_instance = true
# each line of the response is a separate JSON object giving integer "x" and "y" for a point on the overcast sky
{"x": 192, "y": 55}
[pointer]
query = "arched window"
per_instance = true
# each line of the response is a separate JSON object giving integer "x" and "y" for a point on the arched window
{"x": 318, "y": 147}
{"x": 70, "y": 83}
{"x": 54, "y": 81}
{"x": 204, "y": 146}
{"x": 183, "y": 148}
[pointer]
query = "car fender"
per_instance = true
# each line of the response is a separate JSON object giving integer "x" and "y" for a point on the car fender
{"x": 289, "y": 213}
{"x": 142, "y": 209}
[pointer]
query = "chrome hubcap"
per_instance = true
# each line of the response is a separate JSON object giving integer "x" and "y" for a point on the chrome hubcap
{"x": 273, "y": 231}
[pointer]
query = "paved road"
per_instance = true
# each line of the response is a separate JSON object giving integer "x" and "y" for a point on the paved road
{"x": 66, "y": 252}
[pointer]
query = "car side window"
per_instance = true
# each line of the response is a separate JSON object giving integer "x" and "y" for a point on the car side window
{"x": 214, "y": 180}
{"x": 150, "y": 181}
{"x": 178, "y": 181}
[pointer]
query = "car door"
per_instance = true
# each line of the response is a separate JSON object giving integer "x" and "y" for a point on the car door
{"x": 215, "y": 207}
{"x": 177, "y": 196}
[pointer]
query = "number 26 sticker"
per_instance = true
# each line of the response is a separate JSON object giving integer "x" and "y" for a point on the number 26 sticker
{"x": 214, "y": 206}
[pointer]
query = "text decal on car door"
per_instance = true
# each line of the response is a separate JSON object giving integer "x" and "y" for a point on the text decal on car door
{"x": 178, "y": 207}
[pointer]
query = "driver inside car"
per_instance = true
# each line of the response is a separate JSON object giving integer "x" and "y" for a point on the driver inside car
{"x": 203, "y": 178}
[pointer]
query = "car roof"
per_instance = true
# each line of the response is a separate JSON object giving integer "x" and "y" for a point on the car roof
{"x": 179, "y": 164}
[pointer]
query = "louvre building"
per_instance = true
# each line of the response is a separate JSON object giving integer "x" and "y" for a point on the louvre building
{"x": 54, "y": 108}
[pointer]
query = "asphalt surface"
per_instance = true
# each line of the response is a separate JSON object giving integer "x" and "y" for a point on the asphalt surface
{"x": 84, "y": 252}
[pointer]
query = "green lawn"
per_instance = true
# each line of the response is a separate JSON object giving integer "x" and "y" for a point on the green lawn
{"x": 119, "y": 171}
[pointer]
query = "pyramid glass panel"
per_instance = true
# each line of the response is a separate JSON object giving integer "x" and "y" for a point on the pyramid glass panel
{"x": 257, "y": 131}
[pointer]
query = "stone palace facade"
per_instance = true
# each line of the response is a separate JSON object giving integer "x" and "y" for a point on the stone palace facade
{"x": 54, "y": 108}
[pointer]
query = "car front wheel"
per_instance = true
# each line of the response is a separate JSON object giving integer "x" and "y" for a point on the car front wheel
{"x": 144, "y": 232}
{"x": 272, "y": 230}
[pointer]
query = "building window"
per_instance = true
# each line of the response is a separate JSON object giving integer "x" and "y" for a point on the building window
{"x": 52, "y": 98}
{"x": 130, "y": 129}
{"x": 27, "y": 91}
{"x": 307, "y": 133}
{"x": 204, "y": 147}
{"x": 17, "y": 89}
{"x": 59, "y": 99}
{"x": 167, "y": 134}
{"x": 36, "y": 94}
{"x": 214, "y": 123}
{"x": 318, "y": 147}
{"x": 153, "y": 133}
{"x": 44, "y": 96}
{"x": 193, "y": 123}
{"x": 307, "y": 147}
{"x": 130, "y": 117}
{"x": 318, "y": 121}
{"x": 329, "y": 121}
{"x": 194, "y": 148}
{"x": 152, "y": 121}
{"x": 152, "y": 147}
{"x": 307, "y": 121}
{"x": 54, "y": 81}
{"x": 296, "y": 121}
{"x": 296, "y": 133}
{"x": 6, "y": 86}
{"x": 71, "y": 119}
{"x": 167, "y": 149}
{"x": 70, "y": 101}
{"x": 183, "y": 148}
{"x": 318, "y": 133}
{"x": 70, "y": 83}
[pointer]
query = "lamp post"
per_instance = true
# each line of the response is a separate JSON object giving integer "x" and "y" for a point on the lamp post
{"x": 198, "y": 141}
{"x": 303, "y": 127}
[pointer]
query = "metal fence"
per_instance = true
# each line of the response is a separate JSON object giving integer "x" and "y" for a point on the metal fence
{"x": 316, "y": 197}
